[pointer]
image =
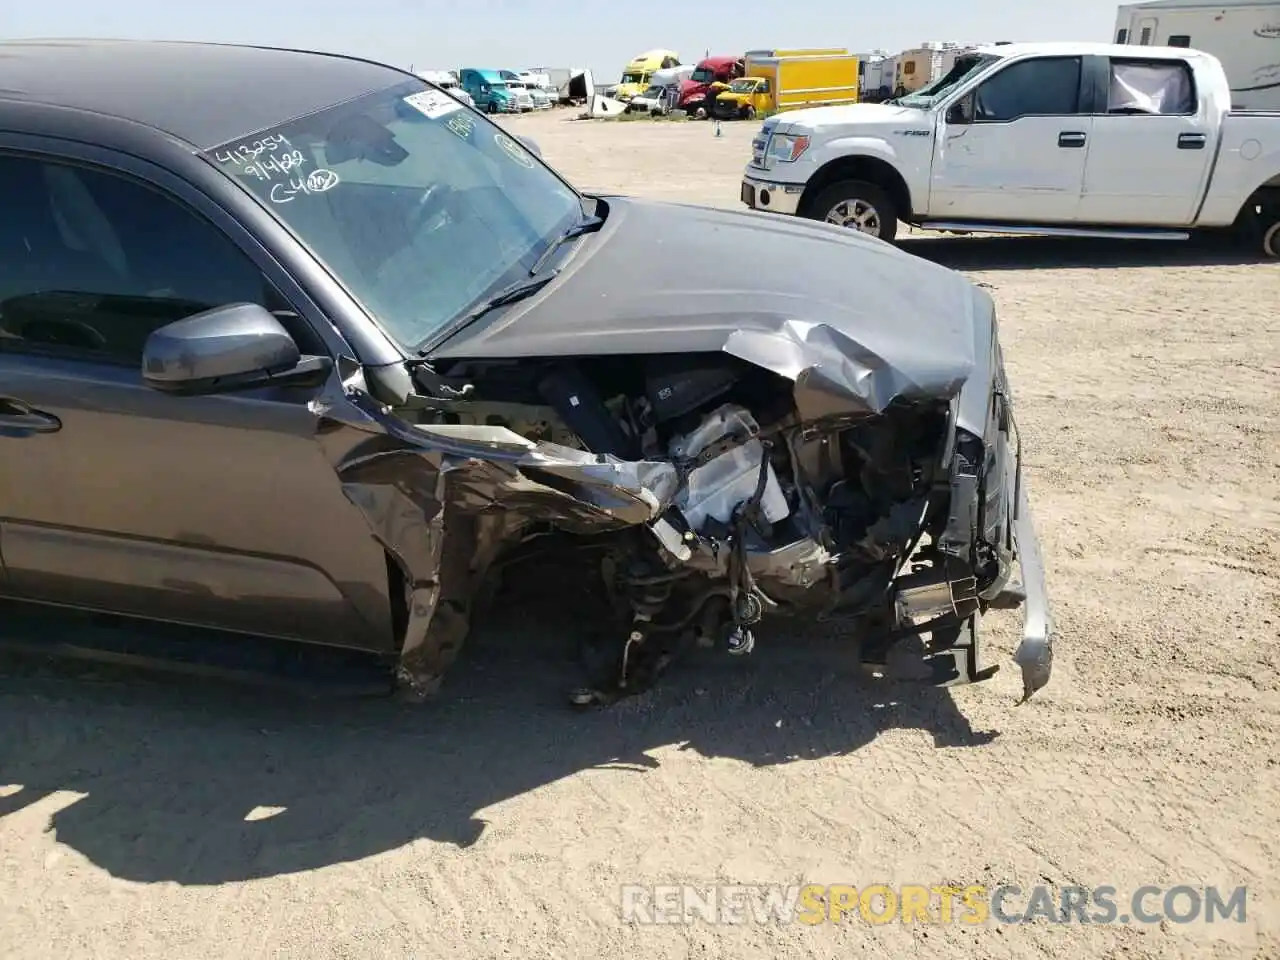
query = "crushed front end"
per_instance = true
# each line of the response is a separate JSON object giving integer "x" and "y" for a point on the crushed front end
{"x": 795, "y": 473}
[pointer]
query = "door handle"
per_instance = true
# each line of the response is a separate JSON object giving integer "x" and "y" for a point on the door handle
{"x": 19, "y": 420}
{"x": 1192, "y": 141}
{"x": 1071, "y": 139}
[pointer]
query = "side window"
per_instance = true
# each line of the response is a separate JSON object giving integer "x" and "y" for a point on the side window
{"x": 1179, "y": 40}
{"x": 1151, "y": 88}
{"x": 1043, "y": 87}
{"x": 91, "y": 263}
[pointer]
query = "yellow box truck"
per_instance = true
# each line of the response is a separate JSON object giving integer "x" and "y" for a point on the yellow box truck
{"x": 779, "y": 80}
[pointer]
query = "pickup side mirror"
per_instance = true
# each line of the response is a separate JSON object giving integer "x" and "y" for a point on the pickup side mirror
{"x": 236, "y": 347}
{"x": 531, "y": 145}
{"x": 961, "y": 112}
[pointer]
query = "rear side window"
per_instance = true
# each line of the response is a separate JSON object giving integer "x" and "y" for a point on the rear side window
{"x": 1151, "y": 88}
{"x": 1042, "y": 87}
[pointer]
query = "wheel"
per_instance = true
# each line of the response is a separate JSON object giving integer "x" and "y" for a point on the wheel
{"x": 751, "y": 113}
{"x": 857, "y": 205}
{"x": 1271, "y": 240}
{"x": 700, "y": 113}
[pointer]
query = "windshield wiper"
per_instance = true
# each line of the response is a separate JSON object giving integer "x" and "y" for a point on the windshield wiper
{"x": 510, "y": 294}
{"x": 585, "y": 225}
{"x": 518, "y": 290}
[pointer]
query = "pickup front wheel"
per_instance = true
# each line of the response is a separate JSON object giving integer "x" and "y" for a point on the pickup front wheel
{"x": 857, "y": 205}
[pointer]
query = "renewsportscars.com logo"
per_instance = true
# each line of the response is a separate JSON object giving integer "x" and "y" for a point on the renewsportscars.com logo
{"x": 972, "y": 905}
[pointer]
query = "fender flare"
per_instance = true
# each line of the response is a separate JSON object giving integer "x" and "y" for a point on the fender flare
{"x": 845, "y": 149}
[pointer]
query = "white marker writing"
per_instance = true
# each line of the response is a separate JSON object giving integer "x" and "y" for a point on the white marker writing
{"x": 317, "y": 181}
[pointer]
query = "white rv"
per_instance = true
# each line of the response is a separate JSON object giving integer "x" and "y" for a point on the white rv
{"x": 1243, "y": 34}
{"x": 875, "y": 76}
{"x": 924, "y": 64}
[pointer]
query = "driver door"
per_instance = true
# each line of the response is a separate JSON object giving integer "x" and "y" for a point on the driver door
{"x": 1014, "y": 149}
{"x": 218, "y": 511}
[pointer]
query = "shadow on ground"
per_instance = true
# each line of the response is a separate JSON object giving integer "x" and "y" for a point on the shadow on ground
{"x": 171, "y": 768}
{"x": 1058, "y": 253}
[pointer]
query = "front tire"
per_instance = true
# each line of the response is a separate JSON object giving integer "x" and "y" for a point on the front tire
{"x": 1271, "y": 240}
{"x": 857, "y": 205}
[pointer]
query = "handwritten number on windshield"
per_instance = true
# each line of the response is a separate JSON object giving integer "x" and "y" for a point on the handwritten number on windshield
{"x": 317, "y": 181}
{"x": 272, "y": 159}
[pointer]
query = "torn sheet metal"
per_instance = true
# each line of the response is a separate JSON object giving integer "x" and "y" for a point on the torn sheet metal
{"x": 442, "y": 501}
{"x": 834, "y": 374}
{"x": 1035, "y": 653}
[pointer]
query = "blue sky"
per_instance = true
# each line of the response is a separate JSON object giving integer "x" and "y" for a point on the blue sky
{"x": 434, "y": 34}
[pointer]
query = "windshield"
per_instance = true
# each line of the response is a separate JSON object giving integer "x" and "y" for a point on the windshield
{"x": 702, "y": 75}
{"x": 633, "y": 78}
{"x": 742, "y": 86}
{"x": 654, "y": 92}
{"x": 962, "y": 70}
{"x": 419, "y": 206}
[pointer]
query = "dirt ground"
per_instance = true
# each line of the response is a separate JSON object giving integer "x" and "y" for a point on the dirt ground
{"x": 142, "y": 819}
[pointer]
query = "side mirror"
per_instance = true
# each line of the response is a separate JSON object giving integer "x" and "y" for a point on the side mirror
{"x": 960, "y": 112}
{"x": 531, "y": 145}
{"x": 237, "y": 347}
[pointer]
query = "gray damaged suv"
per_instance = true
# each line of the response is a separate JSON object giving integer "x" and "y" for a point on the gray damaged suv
{"x": 299, "y": 346}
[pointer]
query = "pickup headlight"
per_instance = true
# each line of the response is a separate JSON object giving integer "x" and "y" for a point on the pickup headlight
{"x": 787, "y": 147}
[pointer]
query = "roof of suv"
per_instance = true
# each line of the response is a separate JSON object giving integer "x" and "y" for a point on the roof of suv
{"x": 204, "y": 93}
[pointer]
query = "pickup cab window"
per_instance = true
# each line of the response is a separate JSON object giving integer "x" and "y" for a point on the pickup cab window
{"x": 1151, "y": 88}
{"x": 1039, "y": 87}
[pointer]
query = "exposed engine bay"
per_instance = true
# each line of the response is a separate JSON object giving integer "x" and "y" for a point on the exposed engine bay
{"x": 850, "y": 516}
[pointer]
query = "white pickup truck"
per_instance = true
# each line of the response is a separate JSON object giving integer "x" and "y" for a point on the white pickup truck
{"x": 1076, "y": 139}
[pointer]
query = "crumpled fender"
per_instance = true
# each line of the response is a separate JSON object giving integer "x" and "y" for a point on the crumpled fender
{"x": 439, "y": 499}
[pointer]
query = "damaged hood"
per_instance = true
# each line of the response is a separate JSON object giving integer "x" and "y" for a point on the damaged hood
{"x": 849, "y": 318}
